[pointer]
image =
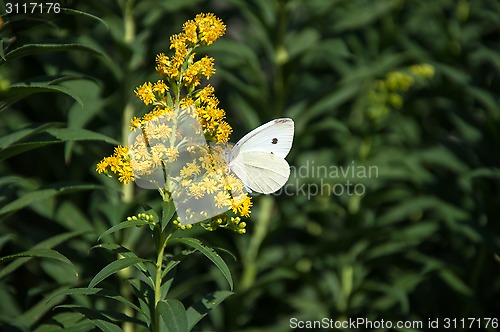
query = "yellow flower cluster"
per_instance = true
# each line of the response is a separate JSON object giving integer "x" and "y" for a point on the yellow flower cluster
{"x": 423, "y": 70}
{"x": 118, "y": 164}
{"x": 388, "y": 92}
{"x": 203, "y": 30}
{"x": 182, "y": 71}
{"x": 164, "y": 152}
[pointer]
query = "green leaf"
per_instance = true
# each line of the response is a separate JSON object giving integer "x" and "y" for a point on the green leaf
{"x": 30, "y": 49}
{"x": 23, "y": 147}
{"x": 174, "y": 315}
{"x": 101, "y": 321}
{"x": 123, "y": 225}
{"x": 4, "y": 239}
{"x": 31, "y": 197}
{"x": 97, "y": 292}
{"x": 114, "y": 267}
{"x": 37, "y": 310}
{"x": 26, "y": 132}
{"x": 41, "y": 253}
{"x": 201, "y": 308}
{"x": 168, "y": 210}
{"x": 120, "y": 250}
{"x": 47, "y": 244}
{"x": 84, "y": 14}
{"x": 63, "y": 134}
{"x": 175, "y": 260}
{"x": 210, "y": 254}
{"x": 79, "y": 134}
{"x": 2, "y": 54}
{"x": 82, "y": 326}
{"x": 107, "y": 326}
{"x": 19, "y": 91}
{"x": 364, "y": 17}
{"x": 455, "y": 282}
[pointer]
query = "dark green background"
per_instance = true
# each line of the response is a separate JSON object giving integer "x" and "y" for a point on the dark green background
{"x": 424, "y": 240}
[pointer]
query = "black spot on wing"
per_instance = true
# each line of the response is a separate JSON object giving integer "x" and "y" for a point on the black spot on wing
{"x": 274, "y": 141}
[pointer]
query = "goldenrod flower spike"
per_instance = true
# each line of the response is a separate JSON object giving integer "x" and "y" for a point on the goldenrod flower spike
{"x": 167, "y": 148}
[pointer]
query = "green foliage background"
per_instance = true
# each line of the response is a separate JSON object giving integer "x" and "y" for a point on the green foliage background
{"x": 424, "y": 240}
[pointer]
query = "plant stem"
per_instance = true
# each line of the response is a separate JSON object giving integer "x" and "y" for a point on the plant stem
{"x": 281, "y": 58}
{"x": 261, "y": 229}
{"x": 127, "y": 190}
{"x": 162, "y": 244}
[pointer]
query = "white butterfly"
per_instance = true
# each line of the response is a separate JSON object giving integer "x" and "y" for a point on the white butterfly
{"x": 258, "y": 159}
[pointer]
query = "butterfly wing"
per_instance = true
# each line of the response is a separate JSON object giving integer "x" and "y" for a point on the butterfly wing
{"x": 261, "y": 171}
{"x": 275, "y": 137}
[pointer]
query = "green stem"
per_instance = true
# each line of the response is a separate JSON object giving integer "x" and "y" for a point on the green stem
{"x": 262, "y": 226}
{"x": 162, "y": 244}
{"x": 127, "y": 190}
{"x": 281, "y": 58}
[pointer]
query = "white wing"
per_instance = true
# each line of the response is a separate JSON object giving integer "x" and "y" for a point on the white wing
{"x": 263, "y": 172}
{"x": 275, "y": 137}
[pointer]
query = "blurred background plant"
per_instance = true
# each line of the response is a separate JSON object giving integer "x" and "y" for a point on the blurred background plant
{"x": 408, "y": 87}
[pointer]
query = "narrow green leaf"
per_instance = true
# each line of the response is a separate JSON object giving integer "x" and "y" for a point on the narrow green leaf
{"x": 123, "y": 225}
{"x": 82, "y": 326}
{"x": 99, "y": 319}
{"x": 107, "y": 326}
{"x": 23, "y": 147}
{"x": 21, "y": 90}
{"x": 120, "y": 250}
{"x": 144, "y": 292}
{"x": 34, "y": 196}
{"x": 97, "y": 292}
{"x": 47, "y": 244}
{"x": 114, "y": 267}
{"x": 26, "y": 132}
{"x": 41, "y": 253}
{"x": 4, "y": 239}
{"x": 37, "y": 310}
{"x": 174, "y": 261}
{"x": 209, "y": 302}
{"x": 455, "y": 282}
{"x": 84, "y": 14}
{"x": 79, "y": 134}
{"x": 210, "y": 254}
{"x": 29, "y": 49}
{"x": 168, "y": 210}
{"x": 174, "y": 315}
{"x": 2, "y": 54}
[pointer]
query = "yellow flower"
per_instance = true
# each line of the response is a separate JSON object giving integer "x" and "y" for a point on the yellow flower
{"x": 135, "y": 123}
{"x": 126, "y": 174}
{"x": 189, "y": 29}
{"x": 119, "y": 164}
{"x": 210, "y": 27}
{"x": 102, "y": 166}
{"x": 243, "y": 206}
{"x": 160, "y": 87}
{"x": 145, "y": 93}
{"x": 222, "y": 199}
{"x": 162, "y": 140}
{"x": 172, "y": 153}
{"x": 202, "y": 67}
{"x": 190, "y": 169}
{"x": 196, "y": 190}
{"x": 398, "y": 81}
{"x": 209, "y": 185}
{"x": 206, "y": 93}
{"x": 425, "y": 70}
{"x": 224, "y": 130}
